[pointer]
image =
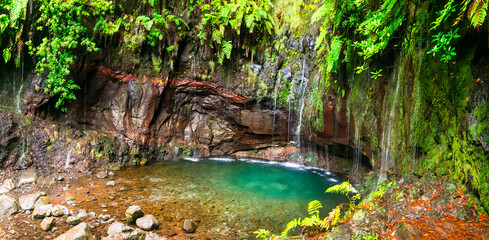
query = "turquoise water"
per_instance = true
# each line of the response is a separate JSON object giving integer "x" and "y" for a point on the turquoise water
{"x": 233, "y": 197}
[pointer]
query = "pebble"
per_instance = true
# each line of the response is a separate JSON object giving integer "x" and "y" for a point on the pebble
{"x": 111, "y": 198}
{"x": 101, "y": 174}
{"x": 104, "y": 217}
{"x": 110, "y": 183}
{"x": 188, "y": 226}
{"x": 147, "y": 223}
{"x": 103, "y": 206}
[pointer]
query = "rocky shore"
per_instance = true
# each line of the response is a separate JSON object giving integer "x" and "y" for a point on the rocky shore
{"x": 50, "y": 207}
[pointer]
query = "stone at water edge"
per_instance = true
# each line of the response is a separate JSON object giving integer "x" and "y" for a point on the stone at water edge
{"x": 48, "y": 223}
{"x": 147, "y": 223}
{"x": 59, "y": 210}
{"x": 28, "y": 177}
{"x": 73, "y": 220}
{"x": 132, "y": 213}
{"x": 27, "y": 202}
{"x": 43, "y": 200}
{"x": 82, "y": 214}
{"x": 101, "y": 174}
{"x": 7, "y": 186}
{"x": 188, "y": 226}
{"x": 117, "y": 230}
{"x": 42, "y": 211}
{"x": 8, "y": 206}
{"x": 79, "y": 232}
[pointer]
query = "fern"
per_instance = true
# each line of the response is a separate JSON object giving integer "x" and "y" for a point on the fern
{"x": 477, "y": 12}
{"x": 16, "y": 11}
{"x": 6, "y": 54}
{"x": 343, "y": 188}
{"x": 334, "y": 54}
{"x": 333, "y": 217}
{"x": 463, "y": 9}
{"x": 291, "y": 225}
{"x": 444, "y": 14}
{"x": 4, "y": 22}
{"x": 313, "y": 207}
{"x": 262, "y": 233}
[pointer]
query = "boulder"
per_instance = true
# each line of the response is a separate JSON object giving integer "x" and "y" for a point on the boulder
{"x": 132, "y": 213}
{"x": 48, "y": 223}
{"x": 147, "y": 223}
{"x": 59, "y": 210}
{"x": 28, "y": 177}
{"x": 7, "y": 186}
{"x": 407, "y": 231}
{"x": 27, "y": 202}
{"x": 42, "y": 211}
{"x": 118, "y": 230}
{"x": 73, "y": 220}
{"x": 42, "y": 201}
{"x": 8, "y": 206}
{"x": 82, "y": 214}
{"x": 189, "y": 226}
{"x": 79, "y": 232}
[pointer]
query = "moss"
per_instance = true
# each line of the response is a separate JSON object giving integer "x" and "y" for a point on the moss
{"x": 186, "y": 151}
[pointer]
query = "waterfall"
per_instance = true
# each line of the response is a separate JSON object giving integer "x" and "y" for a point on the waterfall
{"x": 68, "y": 158}
{"x": 357, "y": 156}
{"x": 17, "y": 100}
{"x": 275, "y": 97}
{"x": 389, "y": 117}
{"x": 301, "y": 94}
{"x": 327, "y": 157}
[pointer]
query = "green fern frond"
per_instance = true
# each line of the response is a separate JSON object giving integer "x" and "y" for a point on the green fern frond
{"x": 16, "y": 11}
{"x": 334, "y": 216}
{"x": 313, "y": 207}
{"x": 262, "y": 233}
{"x": 463, "y": 9}
{"x": 310, "y": 221}
{"x": 477, "y": 12}
{"x": 291, "y": 225}
{"x": 343, "y": 188}
{"x": 334, "y": 54}
{"x": 6, "y": 54}
{"x": 4, "y": 21}
{"x": 217, "y": 36}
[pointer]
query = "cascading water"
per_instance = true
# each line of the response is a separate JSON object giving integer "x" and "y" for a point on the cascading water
{"x": 17, "y": 99}
{"x": 389, "y": 118}
{"x": 301, "y": 94}
{"x": 275, "y": 97}
{"x": 357, "y": 156}
{"x": 327, "y": 157}
{"x": 68, "y": 158}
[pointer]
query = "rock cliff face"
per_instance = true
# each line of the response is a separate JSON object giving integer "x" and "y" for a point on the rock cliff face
{"x": 122, "y": 119}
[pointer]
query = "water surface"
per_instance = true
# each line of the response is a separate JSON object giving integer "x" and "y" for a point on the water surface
{"x": 230, "y": 197}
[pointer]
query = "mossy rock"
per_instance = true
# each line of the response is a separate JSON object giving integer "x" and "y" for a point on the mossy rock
{"x": 358, "y": 217}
